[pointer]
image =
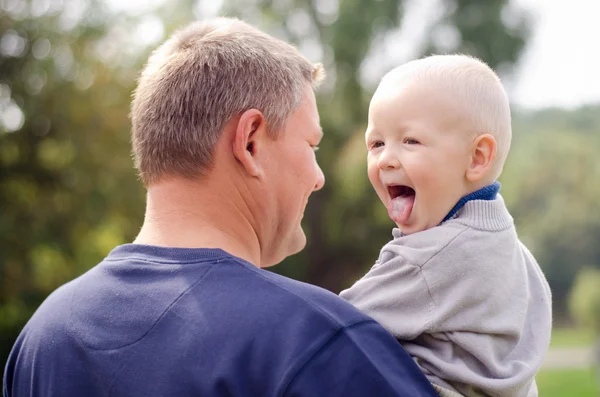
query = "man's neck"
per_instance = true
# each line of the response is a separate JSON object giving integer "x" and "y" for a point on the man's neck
{"x": 183, "y": 214}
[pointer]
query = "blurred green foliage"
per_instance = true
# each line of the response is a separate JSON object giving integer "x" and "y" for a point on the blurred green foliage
{"x": 551, "y": 187}
{"x": 572, "y": 337}
{"x": 69, "y": 194}
{"x": 585, "y": 299}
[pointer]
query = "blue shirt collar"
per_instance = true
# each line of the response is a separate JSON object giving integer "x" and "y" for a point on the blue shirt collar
{"x": 486, "y": 193}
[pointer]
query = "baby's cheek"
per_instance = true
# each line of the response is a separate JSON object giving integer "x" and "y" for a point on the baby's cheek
{"x": 373, "y": 176}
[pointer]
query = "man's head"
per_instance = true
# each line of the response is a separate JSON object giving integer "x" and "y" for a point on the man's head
{"x": 228, "y": 109}
{"x": 439, "y": 128}
{"x": 202, "y": 77}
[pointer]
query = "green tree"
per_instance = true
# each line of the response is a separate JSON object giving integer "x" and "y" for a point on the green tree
{"x": 68, "y": 193}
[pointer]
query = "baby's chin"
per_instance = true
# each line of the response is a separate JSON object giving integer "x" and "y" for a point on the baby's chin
{"x": 408, "y": 229}
{"x": 412, "y": 228}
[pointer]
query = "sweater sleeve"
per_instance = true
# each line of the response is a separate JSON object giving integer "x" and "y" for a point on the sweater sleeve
{"x": 396, "y": 294}
{"x": 359, "y": 360}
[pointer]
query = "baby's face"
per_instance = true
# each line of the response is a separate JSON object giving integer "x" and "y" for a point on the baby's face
{"x": 418, "y": 153}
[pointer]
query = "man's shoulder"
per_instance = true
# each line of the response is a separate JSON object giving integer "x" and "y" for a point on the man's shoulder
{"x": 53, "y": 313}
{"x": 272, "y": 293}
{"x": 224, "y": 310}
{"x": 132, "y": 296}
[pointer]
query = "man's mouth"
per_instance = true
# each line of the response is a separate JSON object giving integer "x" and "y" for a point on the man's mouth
{"x": 402, "y": 199}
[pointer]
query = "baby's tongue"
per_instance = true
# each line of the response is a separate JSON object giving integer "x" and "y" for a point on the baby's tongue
{"x": 400, "y": 208}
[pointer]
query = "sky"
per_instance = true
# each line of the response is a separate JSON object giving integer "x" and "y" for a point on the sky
{"x": 559, "y": 68}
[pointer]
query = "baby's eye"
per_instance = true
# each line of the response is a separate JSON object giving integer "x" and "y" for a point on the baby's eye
{"x": 376, "y": 144}
{"x": 411, "y": 141}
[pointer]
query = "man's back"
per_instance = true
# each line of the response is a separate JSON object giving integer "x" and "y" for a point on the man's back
{"x": 152, "y": 321}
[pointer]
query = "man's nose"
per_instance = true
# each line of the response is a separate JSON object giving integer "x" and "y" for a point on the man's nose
{"x": 320, "y": 179}
{"x": 388, "y": 159}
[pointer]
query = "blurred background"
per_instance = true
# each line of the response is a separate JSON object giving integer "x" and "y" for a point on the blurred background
{"x": 69, "y": 193}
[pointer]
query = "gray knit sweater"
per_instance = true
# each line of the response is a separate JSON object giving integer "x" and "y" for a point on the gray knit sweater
{"x": 466, "y": 299}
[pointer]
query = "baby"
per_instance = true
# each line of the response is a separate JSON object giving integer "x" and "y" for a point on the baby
{"x": 455, "y": 286}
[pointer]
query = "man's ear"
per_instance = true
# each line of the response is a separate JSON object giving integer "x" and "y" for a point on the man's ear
{"x": 250, "y": 133}
{"x": 482, "y": 157}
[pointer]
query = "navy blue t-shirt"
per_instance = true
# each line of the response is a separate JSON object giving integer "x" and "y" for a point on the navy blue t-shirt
{"x": 152, "y": 321}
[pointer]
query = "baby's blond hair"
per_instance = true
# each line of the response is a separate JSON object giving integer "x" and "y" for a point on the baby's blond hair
{"x": 474, "y": 85}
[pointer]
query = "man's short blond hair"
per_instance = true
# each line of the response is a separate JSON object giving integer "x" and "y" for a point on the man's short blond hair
{"x": 472, "y": 84}
{"x": 202, "y": 77}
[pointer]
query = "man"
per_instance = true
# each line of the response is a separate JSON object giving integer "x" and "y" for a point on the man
{"x": 224, "y": 131}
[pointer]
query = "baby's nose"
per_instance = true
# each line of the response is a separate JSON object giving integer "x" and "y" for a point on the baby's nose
{"x": 388, "y": 160}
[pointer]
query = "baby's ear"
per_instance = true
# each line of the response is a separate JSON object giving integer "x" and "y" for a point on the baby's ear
{"x": 482, "y": 157}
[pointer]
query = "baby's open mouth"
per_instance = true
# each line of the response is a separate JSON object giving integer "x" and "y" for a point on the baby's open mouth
{"x": 402, "y": 199}
{"x": 400, "y": 191}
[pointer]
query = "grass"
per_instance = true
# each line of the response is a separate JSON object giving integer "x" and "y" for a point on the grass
{"x": 571, "y": 337}
{"x": 567, "y": 382}
{"x": 576, "y": 382}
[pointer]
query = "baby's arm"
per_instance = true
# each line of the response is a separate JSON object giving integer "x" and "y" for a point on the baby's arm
{"x": 396, "y": 295}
